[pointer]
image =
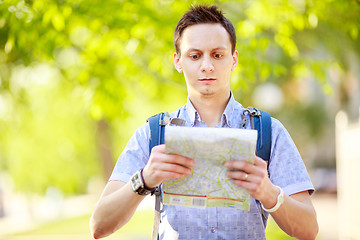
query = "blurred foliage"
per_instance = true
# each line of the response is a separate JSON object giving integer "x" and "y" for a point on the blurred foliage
{"x": 67, "y": 65}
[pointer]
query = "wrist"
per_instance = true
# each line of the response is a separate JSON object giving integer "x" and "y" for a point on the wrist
{"x": 138, "y": 184}
{"x": 147, "y": 179}
{"x": 279, "y": 201}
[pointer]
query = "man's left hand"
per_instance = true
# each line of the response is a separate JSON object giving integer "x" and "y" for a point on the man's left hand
{"x": 252, "y": 177}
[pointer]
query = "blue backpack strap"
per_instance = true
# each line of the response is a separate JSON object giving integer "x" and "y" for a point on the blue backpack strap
{"x": 262, "y": 124}
{"x": 261, "y": 121}
{"x": 156, "y": 130}
{"x": 157, "y": 125}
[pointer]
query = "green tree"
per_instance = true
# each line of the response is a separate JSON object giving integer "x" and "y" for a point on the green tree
{"x": 77, "y": 77}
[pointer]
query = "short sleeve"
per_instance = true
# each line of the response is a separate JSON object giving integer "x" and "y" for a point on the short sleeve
{"x": 134, "y": 156}
{"x": 286, "y": 167}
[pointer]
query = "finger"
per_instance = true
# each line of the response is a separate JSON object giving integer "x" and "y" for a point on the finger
{"x": 240, "y": 166}
{"x": 250, "y": 186}
{"x": 156, "y": 177}
{"x": 173, "y": 175}
{"x": 239, "y": 175}
{"x": 161, "y": 162}
{"x": 156, "y": 172}
{"x": 259, "y": 162}
{"x": 175, "y": 168}
{"x": 158, "y": 148}
{"x": 159, "y": 153}
{"x": 181, "y": 160}
{"x": 158, "y": 157}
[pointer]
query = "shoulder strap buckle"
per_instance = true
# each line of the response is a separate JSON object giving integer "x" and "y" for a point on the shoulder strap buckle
{"x": 254, "y": 112}
{"x": 177, "y": 122}
{"x": 165, "y": 120}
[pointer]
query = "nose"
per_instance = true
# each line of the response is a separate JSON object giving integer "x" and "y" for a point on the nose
{"x": 206, "y": 65}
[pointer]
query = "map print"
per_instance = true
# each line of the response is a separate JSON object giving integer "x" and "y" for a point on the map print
{"x": 208, "y": 186}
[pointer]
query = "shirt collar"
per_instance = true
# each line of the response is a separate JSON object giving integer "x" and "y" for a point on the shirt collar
{"x": 191, "y": 112}
{"x": 228, "y": 112}
{"x": 225, "y": 119}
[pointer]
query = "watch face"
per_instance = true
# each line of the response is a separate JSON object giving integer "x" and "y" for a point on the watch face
{"x": 136, "y": 182}
{"x": 138, "y": 186}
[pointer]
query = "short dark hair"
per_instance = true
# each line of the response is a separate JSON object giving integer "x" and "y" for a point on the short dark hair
{"x": 203, "y": 14}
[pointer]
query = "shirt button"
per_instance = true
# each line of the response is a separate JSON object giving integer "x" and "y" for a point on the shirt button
{"x": 213, "y": 230}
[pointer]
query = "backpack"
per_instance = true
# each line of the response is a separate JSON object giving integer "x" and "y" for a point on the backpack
{"x": 259, "y": 120}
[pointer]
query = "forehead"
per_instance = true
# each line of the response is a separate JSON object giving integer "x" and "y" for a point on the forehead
{"x": 205, "y": 36}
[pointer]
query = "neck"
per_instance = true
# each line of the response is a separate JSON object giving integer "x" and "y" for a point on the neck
{"x": 210, "y": 109}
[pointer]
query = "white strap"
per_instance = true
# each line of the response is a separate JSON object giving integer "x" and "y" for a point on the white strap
{"x": 155, "y": 230}
{"x": 157, "y": 213}
{"x": 280, "y": 200}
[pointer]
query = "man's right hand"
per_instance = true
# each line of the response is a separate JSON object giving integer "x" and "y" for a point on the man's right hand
{"x": 162, "y": 166}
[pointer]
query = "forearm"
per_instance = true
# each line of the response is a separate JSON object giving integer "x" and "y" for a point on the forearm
{"x": 297, "y": 218}
{"x": 119, "y": 202}
{"x": 113, "y": 211}
{"x": 296, "y": 215}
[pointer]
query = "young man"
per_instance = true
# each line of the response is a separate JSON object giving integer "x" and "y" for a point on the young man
{"x": 205, "y": 52}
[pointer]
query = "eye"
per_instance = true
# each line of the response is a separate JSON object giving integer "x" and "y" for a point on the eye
{"x": 194, "y": 56}
{"x": 217, "y": 55}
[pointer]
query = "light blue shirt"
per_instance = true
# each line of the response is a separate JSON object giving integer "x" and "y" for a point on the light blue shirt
{"x": 286, "y": 169}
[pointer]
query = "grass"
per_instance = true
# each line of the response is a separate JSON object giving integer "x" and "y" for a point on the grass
{"x": 138, "y": 228}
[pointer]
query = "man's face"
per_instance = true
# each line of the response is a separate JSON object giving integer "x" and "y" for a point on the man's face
{"x": 205, "y": 58}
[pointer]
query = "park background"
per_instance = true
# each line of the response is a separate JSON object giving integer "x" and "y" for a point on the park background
{"x": 78, "y": 77}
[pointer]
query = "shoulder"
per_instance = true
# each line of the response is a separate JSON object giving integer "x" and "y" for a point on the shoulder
{"x": 279, "y": 132}
{"x": 139, "y": 140}
{"x": 142, "y": 132}
{"x": 276, "y": 125}
{"x": 286, "y": 167}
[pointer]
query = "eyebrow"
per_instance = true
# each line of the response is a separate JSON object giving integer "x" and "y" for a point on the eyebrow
{"x": 198, "y": 50}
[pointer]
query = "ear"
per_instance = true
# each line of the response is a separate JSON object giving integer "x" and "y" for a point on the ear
{"x": 235, "y": 60}
{"x": 177, "y": 62}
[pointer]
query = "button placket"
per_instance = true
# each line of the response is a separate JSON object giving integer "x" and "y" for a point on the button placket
{"x": 212, "y": 221}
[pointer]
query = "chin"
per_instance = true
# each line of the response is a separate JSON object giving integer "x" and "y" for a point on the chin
{"x": 207, "y": 93}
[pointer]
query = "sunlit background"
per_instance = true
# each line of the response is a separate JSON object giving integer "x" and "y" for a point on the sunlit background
{"x": 78, "y": 77}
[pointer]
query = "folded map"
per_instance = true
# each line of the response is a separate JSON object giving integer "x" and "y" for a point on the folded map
{"x": 208, "y": 186}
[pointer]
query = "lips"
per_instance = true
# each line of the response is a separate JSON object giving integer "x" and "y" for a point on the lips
{"x": 207, "y": 80}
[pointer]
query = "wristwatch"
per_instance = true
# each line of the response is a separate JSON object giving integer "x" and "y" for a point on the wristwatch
{"x": 138, "y": 185}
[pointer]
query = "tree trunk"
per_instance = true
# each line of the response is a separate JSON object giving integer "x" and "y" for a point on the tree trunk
{"x": 105, "y": 147}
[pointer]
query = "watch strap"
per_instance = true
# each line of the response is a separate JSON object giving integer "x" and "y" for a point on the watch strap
{"x": 140, "y": 188}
